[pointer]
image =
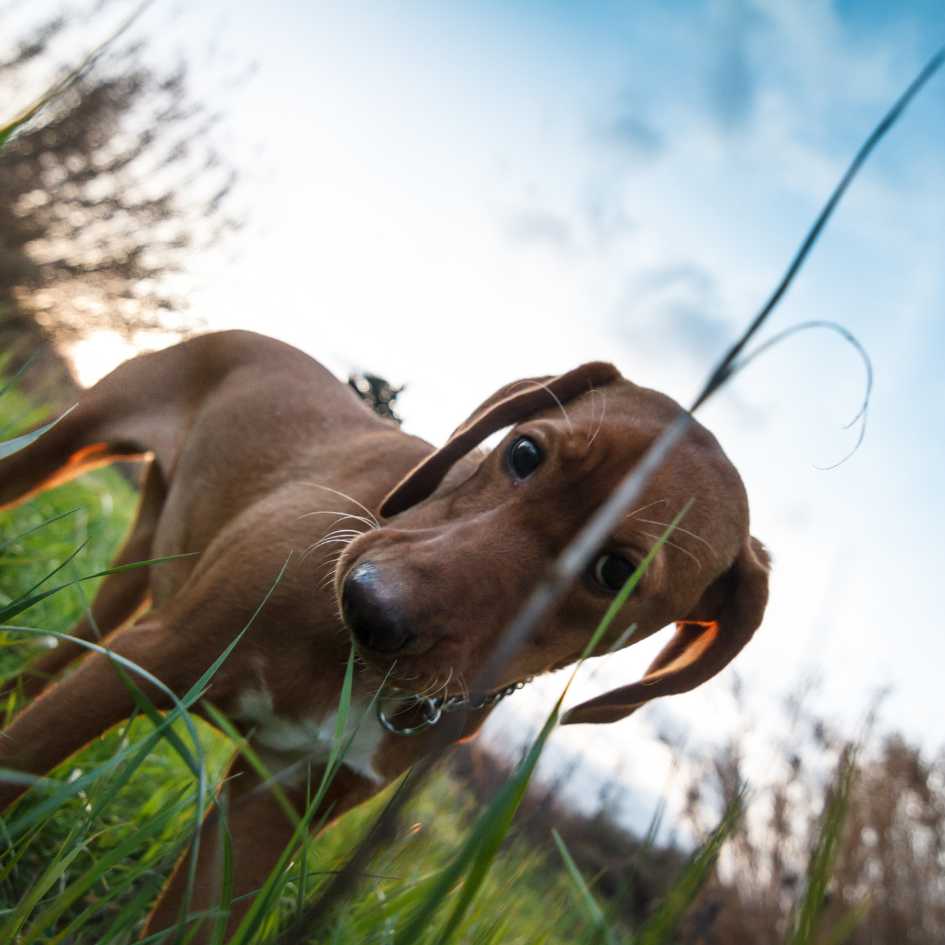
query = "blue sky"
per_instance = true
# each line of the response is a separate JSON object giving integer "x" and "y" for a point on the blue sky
{"x": 458, "y": 195}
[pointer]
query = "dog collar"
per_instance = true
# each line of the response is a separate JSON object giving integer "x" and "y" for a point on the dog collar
{"x": 433, "y": 708}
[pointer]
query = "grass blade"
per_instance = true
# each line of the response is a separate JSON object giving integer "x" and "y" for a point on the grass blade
{"x": 584, "y": 895}
{"x": 661, "y": 925}
{"x": 9, "y": 447}
{"x": 99, "y": 867}
{"x": 53, "y": 873}
{"x": 23, "y": 603}
{"x": 226, "y": 883}
{"x": 10, "y": 127}
{"x": 46, "y": 521}
{"x": 479, "y": 850}
{"x": 825, "y": 853}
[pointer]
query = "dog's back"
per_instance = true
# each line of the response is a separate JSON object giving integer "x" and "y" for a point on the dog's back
{"x": 205, "y": 409}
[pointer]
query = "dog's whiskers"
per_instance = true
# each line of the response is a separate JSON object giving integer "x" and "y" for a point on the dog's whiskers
{"x": 345, "y": 535}
{"x": 327, "y": 576}
{"x": 603, "y": 412}
{"x": 683, "y": 531}
{"x": 350, "y": 498}
{"x": 421, "y": 693}
{"x": 673, "y": 544}
{"x": 338, "y": 541}
{"x": 429, "y": 689}
{"x": 545, "y": 387}
{"x": 338, "y": 535}
{"x": 643, "y": 508}
{"x": 463, "y": 686}
{"x": 328, "y": 579}
{"x": 334, "y": 557}
{"x": 340, "y": 532}
{"x": 677, "y": 528}
{"x": 335, "y": 538}
{"x": 341, "y": 516}
{"x": 442, "y": 688}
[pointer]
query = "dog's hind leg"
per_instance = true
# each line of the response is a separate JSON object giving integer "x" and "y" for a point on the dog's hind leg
{"x": 260, "y": 827}
{"x": 120, "y": 597}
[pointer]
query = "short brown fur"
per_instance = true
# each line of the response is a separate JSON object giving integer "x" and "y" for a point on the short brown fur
{"x": 256, "y": 449}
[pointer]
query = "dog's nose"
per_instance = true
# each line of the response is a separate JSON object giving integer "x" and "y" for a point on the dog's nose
{"x": 372, "y": 612}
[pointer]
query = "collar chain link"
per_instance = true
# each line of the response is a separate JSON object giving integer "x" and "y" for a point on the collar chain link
{"x": 434, "y": 707}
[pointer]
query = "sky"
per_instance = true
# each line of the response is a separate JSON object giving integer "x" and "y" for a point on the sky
{"x": 457, "y": 195}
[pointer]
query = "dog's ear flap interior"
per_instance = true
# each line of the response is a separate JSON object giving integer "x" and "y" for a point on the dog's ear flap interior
{"x": 506, "y": 406}
{"x": 705, "y": 642}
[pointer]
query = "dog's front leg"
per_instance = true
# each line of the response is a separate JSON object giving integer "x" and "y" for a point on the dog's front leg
{"x": 93, "y": 698}
{"x": 260, "y": 829}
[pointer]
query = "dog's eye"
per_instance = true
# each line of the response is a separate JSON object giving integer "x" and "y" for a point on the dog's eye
{"x": 612, "y": 571}
{"x": 524, "y": 457}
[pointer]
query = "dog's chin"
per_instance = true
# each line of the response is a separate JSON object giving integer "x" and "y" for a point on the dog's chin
{"x": 398, "y": 671}
{"x": 383, "y": 663}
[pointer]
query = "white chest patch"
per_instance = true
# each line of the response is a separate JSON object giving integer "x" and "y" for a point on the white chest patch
{"x": 282, "y": 742}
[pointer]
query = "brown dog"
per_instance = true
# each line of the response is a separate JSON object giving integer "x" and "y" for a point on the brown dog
{"x": 259, "y": 455}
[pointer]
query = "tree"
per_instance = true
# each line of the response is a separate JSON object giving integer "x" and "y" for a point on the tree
{"x": 103, "y": 197}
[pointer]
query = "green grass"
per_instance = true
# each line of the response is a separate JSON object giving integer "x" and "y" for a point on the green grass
{"x": 92, "y": 515}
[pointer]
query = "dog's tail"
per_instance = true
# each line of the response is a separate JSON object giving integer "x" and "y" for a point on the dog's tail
{"x": 100, "y": 429}
{"x": 140, "y": 410}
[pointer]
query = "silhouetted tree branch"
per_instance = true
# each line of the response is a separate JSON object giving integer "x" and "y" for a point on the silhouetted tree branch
{"x": 104, "y": 197}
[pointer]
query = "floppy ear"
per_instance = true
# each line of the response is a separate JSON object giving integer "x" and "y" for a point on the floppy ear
{"x": 705, "y": 642}
{"x": 506, "y": 406}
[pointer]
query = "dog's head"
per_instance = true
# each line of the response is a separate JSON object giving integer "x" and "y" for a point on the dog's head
{"x": 466, "y": 537}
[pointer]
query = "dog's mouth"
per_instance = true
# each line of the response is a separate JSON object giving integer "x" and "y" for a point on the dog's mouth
{"x": 410, "y": 667}
{"x": 405, "y": 678}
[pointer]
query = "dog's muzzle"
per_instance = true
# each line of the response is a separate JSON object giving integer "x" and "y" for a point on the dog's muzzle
{"x": 372, "y": 611}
